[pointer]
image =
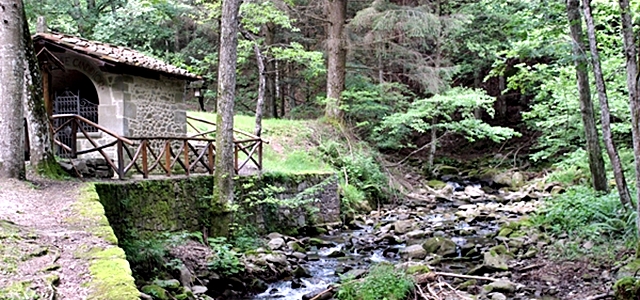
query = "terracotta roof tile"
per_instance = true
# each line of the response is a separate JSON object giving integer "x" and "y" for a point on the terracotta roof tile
{"x": 112, "y": 53}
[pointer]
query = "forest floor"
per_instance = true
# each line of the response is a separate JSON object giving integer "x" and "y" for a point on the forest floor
{"x": 39, "y": 243}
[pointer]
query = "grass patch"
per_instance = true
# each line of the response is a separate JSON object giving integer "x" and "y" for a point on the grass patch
{"x": 290, "y": 147}
{"x": 382, "y": 282}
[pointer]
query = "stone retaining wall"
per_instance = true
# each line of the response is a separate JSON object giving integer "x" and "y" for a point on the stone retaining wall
{"x": 144, "y": 208}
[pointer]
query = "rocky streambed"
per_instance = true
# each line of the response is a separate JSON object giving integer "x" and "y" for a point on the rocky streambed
{"x": 470, "y": 232}
{"x": 458, "y": 229}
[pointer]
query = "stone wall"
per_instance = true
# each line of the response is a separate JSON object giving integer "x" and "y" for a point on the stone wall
{"x": 143, "y": 209}
{"x": 155, "y": 107}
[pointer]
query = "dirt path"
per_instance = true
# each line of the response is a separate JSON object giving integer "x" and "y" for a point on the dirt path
{"x": 39, "y": 244}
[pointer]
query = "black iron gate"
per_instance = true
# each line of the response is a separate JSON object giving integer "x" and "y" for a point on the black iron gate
{"x": 69, "y": 103}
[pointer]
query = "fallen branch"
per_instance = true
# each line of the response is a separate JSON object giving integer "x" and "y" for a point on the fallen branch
{"x": 316, "y": 297}
{"x": 530, "y": 267}
{"x": 465, "y": 276}
{"x": 600, "y": 296}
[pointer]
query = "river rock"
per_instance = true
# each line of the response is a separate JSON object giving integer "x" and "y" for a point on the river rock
{"x": 274, "y": 235}
{"x": 414, "y": 251}
{"x": 441, "y": 246}
{"x": 276, "y": 244}
{"x": 402, "y": 227}
{"x": 198, "y": 289}
{"x": 498, "y": 296}
{"x": 279, "y": 259}
{"x": 295, "y": 246}
{"x": 301, "y": 272}
{"x": 473, "y": 192}
{"x": 355, "y": 273}
{"x": 502, "y": 286}
{"x": 495, "y": 262}
{"x": 320, "y": 243}
{"x": 184, "y": 275}
{"x": 171, "y": 284}
{"x": 629, "y": 270}
{"x": 443, "y": 170}
{"x": 299, "y": 255}
{"x": 436, "y": 184}
{"x": 415, "y": 234}
{"x": 155, "y": 290}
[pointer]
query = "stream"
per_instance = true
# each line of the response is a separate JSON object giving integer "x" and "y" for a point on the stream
{"x": 467, "y": 216}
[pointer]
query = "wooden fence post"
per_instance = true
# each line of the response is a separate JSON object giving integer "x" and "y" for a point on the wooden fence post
{"x": 120, "y": 160}
{"x": 145, "y": 165}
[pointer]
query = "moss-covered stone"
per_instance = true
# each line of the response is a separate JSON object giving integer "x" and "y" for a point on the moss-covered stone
{"x": 155, "y": 291}
{"x": 436, "y": 184}
{"x": 111, "y": 277}
{"x": 505, "y": 232}
{"x": 418, "y": 269}
{"x": 627, "y": 288}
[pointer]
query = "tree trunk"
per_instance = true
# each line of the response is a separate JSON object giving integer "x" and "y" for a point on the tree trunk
{"x": 225, "y": 170}
{"x": 632, "y": 84}
{"x": 12, "y": 62}
{"x": 605, "y": 117}
{"x": 40, "y": 138}
{"x": 262, "y": 82}
{"x": 270, "y": 95}
{"x": 596, "y": 162}
{"x": 336, "y": 11}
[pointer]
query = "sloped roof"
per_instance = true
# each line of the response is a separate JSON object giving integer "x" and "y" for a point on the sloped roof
{"x": 113, "y": 54}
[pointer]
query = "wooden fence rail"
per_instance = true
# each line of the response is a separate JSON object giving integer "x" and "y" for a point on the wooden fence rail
{"x": 156, "y": 155}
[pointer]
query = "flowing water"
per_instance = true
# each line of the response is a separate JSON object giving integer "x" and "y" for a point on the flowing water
{"x": 364, "y": 247}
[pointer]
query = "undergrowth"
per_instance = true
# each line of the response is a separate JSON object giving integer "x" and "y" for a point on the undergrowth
{"x": 582, "y": 215}
{"x": 148, "y": 257}
{"x": 382, "y": 282}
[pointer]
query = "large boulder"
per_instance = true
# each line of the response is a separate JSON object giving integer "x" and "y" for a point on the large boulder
{"x": 441, "y": 246}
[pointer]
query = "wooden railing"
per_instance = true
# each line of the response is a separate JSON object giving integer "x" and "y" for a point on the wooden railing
{"x": 246, "y": 148}
{"x": 157, "y": 155}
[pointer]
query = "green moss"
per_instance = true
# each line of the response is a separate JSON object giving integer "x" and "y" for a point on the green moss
{"x": 627, "y": 288}
{"x": 418, "y": 269}
{"x": 111, "y": 276}
{"x": 505, "y": 232}
{"x": 90, "y": 215}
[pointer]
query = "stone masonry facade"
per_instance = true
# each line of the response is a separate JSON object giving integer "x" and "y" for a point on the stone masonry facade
{"x": 132, "y": 106}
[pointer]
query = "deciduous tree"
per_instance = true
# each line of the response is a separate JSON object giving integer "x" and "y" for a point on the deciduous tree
{"x": 631, "y": 56}
{"x": 605, "y": 115}
{"x": 596, "y": 162}
{"x": 224, "y": 170}
{"x": 12, "y": 62}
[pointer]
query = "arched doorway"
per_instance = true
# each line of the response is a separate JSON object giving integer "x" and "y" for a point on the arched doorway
{"x": 73, "y": 93}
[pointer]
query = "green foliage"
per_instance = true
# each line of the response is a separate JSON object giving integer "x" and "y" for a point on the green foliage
{"x": 573, "y": 169}
{"x": 584, "y": 214}
{"x": 226, "y": 261}
{"x": 146, "y": 256}
{"x": 452, "y": 111}
{"x": 382, "y": 282}
{"x": 352, "y": 200}
{"x": 359, "y": 170}
{"x": 365, "y": 105}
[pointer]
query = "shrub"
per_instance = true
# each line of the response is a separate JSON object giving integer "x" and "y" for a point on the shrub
{"x": 382, "y": 282}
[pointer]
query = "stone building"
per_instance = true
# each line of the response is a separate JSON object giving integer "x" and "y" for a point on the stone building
{"x": 120, "y": 89}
